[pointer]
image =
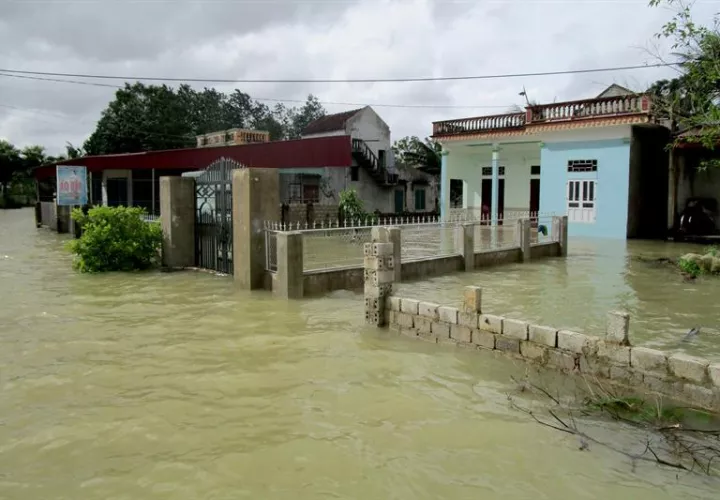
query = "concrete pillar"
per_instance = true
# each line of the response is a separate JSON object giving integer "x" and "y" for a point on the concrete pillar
{"x": 177, "y": 219}
{"x": 472, "y": 300}
{"x": 523, "y": 238}
{"x": 495, "y": 183}
{"x": 63, "y": 219}
{"x": 395, "y": 235}
{"x": 444, "y": 186}
{"x": 618, "y": 328}
{"x": 289, "y": 277}
{"x": 38, "y": 214}
{"x": 256, "y": 197}
{"x": 465, "y": 243}
{"x": 563, "y": 236}
{"x": 379, "y": 276}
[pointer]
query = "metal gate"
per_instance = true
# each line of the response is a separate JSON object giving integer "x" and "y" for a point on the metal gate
{"x": 213, "y": 216}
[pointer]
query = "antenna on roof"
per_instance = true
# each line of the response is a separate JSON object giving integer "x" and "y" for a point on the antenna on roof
{"x": 524, "y": 94}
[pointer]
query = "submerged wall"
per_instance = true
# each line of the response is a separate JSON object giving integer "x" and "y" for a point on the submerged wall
{"x": 688, "y": 379}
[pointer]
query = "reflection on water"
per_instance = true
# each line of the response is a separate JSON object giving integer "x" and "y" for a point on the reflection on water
{"x": 180, "y": 386}
{"x": 599, "y": 276}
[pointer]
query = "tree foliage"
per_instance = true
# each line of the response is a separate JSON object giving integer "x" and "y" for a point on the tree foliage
{"x": 154, "y": 117}
{"x": 424, "y": 155}
{"x": 691, "y": 100}
{"x": 115, "y": 239}
{"x": 16, "y": 168}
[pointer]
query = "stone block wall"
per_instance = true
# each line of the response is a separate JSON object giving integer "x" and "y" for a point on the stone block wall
{"x": 309, "y": 213}
{"x": 687, "y": 379}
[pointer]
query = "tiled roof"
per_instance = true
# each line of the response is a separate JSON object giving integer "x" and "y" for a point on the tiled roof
{"x": 329, "y": 123}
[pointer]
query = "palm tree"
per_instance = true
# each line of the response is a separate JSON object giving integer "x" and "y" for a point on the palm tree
{"x": 423, "y": 155}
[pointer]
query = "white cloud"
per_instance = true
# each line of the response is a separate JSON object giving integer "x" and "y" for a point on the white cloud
{"x": 313, "y": 39}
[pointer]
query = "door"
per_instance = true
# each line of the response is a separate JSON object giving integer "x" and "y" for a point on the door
{"x": 381, "y": 158}
{"x": 534, "y": 197}
{"x": 117, "y": 191}
{"x": 486, "y": 194}
{"x": 399, "y": 201}
{"x": 581, "y": 201}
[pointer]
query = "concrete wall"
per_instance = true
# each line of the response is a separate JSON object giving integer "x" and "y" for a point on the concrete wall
{"x": 687, "y": 379}
{"x": 613, "y": 156}
{"x": 351, "y": 278}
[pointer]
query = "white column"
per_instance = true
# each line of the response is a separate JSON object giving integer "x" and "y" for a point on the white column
{"x": 495, "y": 183}
{"x": 152, "y": 197}
{"x": 444, "y": 186}
{"x": 104, "y": 189}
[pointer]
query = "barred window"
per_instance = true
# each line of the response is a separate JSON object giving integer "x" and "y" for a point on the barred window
{"x": 582, "y": 165}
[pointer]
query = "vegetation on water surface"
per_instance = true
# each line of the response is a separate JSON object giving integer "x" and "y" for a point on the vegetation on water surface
{"x": 115, "y": 239}
{"x": 694, "y": 265}
{"x": 671, "y": 436}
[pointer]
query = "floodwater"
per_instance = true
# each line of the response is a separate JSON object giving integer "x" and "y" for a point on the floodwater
{"x": 178, "y": 386}
{"x": 597, "y": 277}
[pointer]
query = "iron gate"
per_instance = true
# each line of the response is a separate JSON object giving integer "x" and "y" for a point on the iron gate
{"x": 213, "y": 216}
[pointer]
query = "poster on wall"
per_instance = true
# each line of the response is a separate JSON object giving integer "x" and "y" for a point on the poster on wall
{"x": 71, "y": 185}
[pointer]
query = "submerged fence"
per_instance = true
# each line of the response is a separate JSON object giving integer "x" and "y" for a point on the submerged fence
{"x": 336, "y": 246}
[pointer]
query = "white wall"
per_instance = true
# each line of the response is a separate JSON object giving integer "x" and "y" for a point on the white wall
{"x": 467, "y": 164}
{"x": 369, "y": 127}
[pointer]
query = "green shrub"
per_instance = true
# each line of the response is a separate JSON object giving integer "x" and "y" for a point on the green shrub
{"x": 115, "y": 239}
{"x": 689, "y": 267}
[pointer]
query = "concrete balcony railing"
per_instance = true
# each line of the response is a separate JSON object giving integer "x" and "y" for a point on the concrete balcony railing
{"x": 479, "y": 124}
{"x": 588, "y": 109}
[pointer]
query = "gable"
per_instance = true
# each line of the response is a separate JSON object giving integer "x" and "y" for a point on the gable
{"x": 615, "y": 90}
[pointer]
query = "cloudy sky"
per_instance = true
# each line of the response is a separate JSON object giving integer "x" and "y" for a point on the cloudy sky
{"x": 315, "y": 39}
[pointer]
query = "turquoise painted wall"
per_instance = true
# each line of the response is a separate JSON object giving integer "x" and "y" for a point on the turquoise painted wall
{"x": 613, "y": 157}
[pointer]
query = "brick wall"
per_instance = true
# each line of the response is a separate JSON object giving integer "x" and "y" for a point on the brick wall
{"x": 678, "y": 376}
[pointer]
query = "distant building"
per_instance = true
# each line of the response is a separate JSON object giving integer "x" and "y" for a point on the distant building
{"x": 232, "y": 137}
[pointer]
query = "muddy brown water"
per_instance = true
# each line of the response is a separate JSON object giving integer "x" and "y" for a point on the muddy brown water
{"x": 179, "y": 386}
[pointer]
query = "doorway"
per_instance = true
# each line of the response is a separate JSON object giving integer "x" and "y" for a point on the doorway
{"x": 399, "y": 201}
{"x": 534, "y": 197}
{"x": 487, "y": 200}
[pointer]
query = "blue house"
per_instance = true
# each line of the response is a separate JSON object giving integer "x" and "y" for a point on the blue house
{"x": 601, "y": 161}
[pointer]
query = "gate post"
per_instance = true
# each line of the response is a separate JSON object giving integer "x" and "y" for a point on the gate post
{"x": 289, "y": 265}
{"x": 177, "y": 218}
{"x": 256, "y": 197}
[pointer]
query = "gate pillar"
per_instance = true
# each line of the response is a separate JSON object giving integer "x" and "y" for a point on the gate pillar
{"x": 177, "y": 217}
{"x": 256, "y": 197}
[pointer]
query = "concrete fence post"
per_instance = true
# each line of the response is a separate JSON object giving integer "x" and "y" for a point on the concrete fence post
{"x": 379, "y": 274}
{"x": 38, "y": 214}
{"x": 395, "y": 237}
{"x": 256, "y": 197}
{"x": 63, "y": 219}
{"x": 524, "y": 239}
{"x": 177, "y": 219}
{"x": 472, "y": 300}
{"x": 465, "y": 243}
{"x": 289, "y": 278}
{"x": 564, "y": 236}
{"x": 618, "y": 328}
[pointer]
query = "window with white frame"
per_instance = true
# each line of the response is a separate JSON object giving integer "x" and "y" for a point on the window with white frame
{"x": 581, "y": 206}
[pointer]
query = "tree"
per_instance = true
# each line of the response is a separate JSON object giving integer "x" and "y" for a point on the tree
{"x": 691, "y": 100}
{"x": 300, "y": 118}
{"x": 10, "y": 163}
{"x": 151, "y": 117}
{"x": 423, "y": 155}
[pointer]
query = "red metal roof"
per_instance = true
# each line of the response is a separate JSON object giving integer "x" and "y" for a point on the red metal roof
{"x": 301, "y": 153}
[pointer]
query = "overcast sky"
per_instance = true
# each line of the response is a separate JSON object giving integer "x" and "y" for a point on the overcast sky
{"x": 337, "y": 39}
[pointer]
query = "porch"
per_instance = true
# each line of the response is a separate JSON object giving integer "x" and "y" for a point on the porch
{"x": 499, "y": 180}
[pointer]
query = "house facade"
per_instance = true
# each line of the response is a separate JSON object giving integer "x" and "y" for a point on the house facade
{"x": 601, "y": 161}
{"x": 372, "y": 173}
